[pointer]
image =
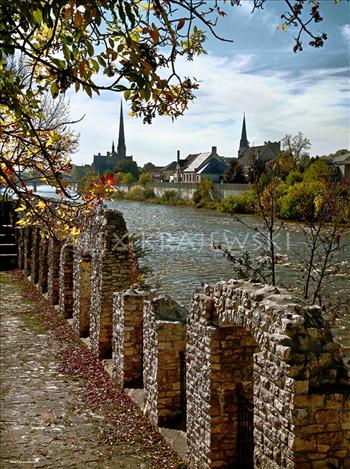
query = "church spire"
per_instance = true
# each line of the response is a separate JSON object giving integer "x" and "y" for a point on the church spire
{"x": 243, "y": 144}
{"x": 121, "y": 139}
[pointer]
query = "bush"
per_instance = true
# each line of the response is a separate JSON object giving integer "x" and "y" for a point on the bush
{"x": 145, "y": 179}
{"x": 212, "y": 204}
{"x": 136, "y": 193}
{"x": 204, "y": 193}
{"x": 169, "y": 196}
{"x": 242, "y": 203}
{"x": 149, "y": 193}
{"x": 299, "y": 202}
{"x": 293, "y": 177}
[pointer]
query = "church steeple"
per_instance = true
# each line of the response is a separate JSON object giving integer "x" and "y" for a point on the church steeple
{"x": 243, "y": 144}
{"x": 113, "y": 148}
{"x": 121, "y": 139}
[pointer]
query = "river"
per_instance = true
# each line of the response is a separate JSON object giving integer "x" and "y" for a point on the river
{"x": 178, "y": 243}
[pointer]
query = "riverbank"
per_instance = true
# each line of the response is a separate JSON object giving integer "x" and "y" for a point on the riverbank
{"x": 59, "y": 408}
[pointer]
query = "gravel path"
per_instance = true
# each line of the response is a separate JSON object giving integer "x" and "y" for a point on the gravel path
{"x": 44, "y": 422}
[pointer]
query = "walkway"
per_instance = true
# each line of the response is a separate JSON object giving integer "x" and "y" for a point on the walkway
{"x": 45, "y": 417}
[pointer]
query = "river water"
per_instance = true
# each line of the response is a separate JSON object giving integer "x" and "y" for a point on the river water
{"x": 178, "y": 244}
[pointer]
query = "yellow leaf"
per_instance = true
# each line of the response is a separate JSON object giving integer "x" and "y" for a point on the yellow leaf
{"x": 21, "y": 208}
{"x": 74, "y": 231}
{"x": 41, "y": 204}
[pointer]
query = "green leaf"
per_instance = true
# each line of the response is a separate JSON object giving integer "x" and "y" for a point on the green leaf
{"x": 66, "y": 52}
{"x": 54, "y": 89}
{"x": 88, "y": 91}
{"x": 90, "y": 49}
{"x": 38, "y": 17}
{"x": 101, "y": 61}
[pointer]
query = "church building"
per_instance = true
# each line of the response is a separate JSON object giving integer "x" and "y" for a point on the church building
{"x": 262, "y": 153}
{"x": 102, "y": 163}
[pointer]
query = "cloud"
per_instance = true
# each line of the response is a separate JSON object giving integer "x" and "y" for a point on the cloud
{"x": 346, "y": 31}
{"x": 275, "y": 103}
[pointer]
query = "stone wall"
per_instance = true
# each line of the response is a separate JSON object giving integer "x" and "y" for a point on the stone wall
{"x": 128, "y": 335}
{"x": 164, "y": 332}
{"x": 245, "y": 344}
{"x": 186, "y": 190}
{"x": 242, "y": 336}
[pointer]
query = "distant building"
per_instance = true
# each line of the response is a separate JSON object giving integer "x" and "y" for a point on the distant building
{"x": 342, "y": 163}
{"x": 261, "y": 153}
{"x": 210, "y": 165}
{"x": 102, "y": 163}
{"x": 197, "y": 166}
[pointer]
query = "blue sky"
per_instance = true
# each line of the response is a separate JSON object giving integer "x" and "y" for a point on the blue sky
{"x": 280, "y": 92}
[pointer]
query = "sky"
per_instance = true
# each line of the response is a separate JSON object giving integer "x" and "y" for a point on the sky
{"x": 258, "y": 74}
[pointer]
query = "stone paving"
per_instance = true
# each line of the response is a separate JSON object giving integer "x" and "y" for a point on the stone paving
{"x": 44, "y": 422}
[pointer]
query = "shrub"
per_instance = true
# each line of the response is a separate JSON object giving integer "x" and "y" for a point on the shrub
{"x": 136, "y": 193}
{"x": 242, "y": 203}
{"x": 204, "y": 193}
{"x": 145, "y": 179}
{"x": 149, "y": 193}
{"x": 299, "y": 202}
{"x": 169, "y": 196}
{"x": 294, "y": 177}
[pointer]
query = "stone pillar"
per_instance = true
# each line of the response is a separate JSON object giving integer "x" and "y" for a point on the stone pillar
{"x": 83, "y": 321}
{"x": 43, "y": 265}
{"x": 113, "y": 270}
{"x": 20, "y": 237}
{"x": 35, "y": 256}
{"x": 54, "y": 252}
{"x": 128, "y": 335}
{"x": 164, "y": 343}
{"x": 28, "y": 244}
{"x": 66, "y": 281}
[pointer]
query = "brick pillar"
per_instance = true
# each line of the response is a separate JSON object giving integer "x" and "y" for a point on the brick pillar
{"x": 66, "y": 281}
{"x": 128, "y": 334}
{"x": 54, "y": 251}
{"x": 164, "y": 345}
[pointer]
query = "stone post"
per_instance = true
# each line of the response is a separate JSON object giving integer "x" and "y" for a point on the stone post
{"x": 113, "y": 269}
{"x": 43, "y": 265}
{"x": 66, "y": 281}
{"x": 28, "y": 244}
{"x": 83, "y": 325}
{"x": 164, "y": 344}
{"x": 54, "y": 252}
{"x": 35, "y": 262}
{"x": 128, "y": 335}
{"x": 20, "y": 237}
